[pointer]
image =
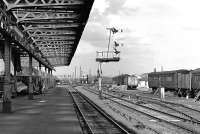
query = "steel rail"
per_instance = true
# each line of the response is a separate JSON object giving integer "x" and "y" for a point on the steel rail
{"x": 102, "y": 112}
{"x": 191, "y": 119}
{"x": 164, "y": 103}
{"x": 81, "y": 114}
{"x": 172, "y": 103}
{"x": 160, "y": 119}
{"x": 180, "y": 112}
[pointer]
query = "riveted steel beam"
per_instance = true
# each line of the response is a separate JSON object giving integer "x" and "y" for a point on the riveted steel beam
{"x": 41, "y": 3}
{"x": 50, "y": 32}
{"x": 24, "y": 16}
{"x": 53, "y": 42}
{"x": 55, "y": 50}
{"x": 52, "y": 26}
{"x": 46, "y": 21}
{"x": 67, "y": 9}
{"x": 52, "y": 38}
{"x": 58, "y": 52}
{"x": 57, "y": 55}
{"x": 55, "y": 46}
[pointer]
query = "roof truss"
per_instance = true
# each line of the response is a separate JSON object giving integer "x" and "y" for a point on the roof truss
{"x": 54, "y": 26}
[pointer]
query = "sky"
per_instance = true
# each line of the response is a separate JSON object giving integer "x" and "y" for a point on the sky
{"x": 155, "y": 33}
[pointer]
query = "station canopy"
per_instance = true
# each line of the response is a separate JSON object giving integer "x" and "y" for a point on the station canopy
{"x": 54, "y": 26}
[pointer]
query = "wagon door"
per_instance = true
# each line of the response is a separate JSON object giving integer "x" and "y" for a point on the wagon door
{"x": 183, "y": 80}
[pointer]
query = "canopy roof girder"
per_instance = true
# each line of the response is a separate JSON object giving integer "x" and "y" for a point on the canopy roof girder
{"x": 11, "y": 32}
{"x": 50, "y": 32}
{"x": 57, "y": 54}
{"x": 57, "y": 46}
{"x": 53, "y": 27}
{"x": 52, "y": 38}
{"x": 50, "y": 43}
{"x": 41, "y": 3}
{"x": 40, "y": 16}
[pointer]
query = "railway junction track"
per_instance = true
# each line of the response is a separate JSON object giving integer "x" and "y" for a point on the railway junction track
{"x": 183, "y": 122}
{"x": 93, "y": 119}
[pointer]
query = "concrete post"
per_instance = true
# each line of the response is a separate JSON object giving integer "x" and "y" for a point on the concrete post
{"x": 30, "y": 88}
{"x": 100, "y": 80}
{"x": 100, "y": 90}
{"x": 162, "y": 92}
{"x": 7, "y": 87}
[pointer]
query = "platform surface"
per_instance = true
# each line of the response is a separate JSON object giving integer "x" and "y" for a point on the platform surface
{"x": 50, "y": 114}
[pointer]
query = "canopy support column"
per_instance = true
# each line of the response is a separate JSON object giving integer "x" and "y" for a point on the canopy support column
{"x": 7, "y": 108}
{"x": 30, "y": 87}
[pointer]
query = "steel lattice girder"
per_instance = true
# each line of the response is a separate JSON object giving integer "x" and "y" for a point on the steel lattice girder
{"x": 52, "y": 38}
{"x": 12, "y": 4}
{"x": 23, "y": 16}
{"x": 55, "y": 26}
{"x": 57, "y": 47}
{"x": 58, "y": 50}
{"x": 47, "y": 43}
{"x": 11, "y": 32}
{"x": 51, "y": 26}
{"x": 50, "y": 32}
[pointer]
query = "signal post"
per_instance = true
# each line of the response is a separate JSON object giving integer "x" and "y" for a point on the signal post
{"x": 105, "y": 57}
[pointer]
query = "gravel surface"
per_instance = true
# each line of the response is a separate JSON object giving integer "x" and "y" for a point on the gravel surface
{"x": 135, "y": 121}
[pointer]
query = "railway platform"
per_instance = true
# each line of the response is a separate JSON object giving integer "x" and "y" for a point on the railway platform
{"x": 51, "y": 113}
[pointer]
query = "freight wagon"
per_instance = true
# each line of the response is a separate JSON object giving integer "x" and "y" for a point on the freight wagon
{"x": 177, "y": 81}
{"x": 130, "y": 80}
{"x": 195, "y": 82}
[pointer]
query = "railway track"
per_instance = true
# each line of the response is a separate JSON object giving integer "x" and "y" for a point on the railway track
{"x": 186, "y": 124}
{"x": 181, "y": 109}
{"x": 93, "y": 119}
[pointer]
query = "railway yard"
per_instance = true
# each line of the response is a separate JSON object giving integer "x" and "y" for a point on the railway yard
{"x": 147, "y": 114}
{"x": 129, "y": 111}
{"x": 40, "y": 95}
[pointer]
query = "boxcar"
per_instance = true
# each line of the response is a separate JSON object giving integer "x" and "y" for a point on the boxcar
{"x": 195, "y": 82}
{"x": 171, "y": 80}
